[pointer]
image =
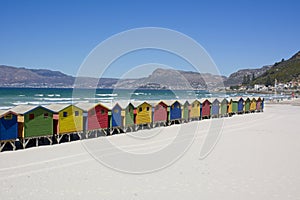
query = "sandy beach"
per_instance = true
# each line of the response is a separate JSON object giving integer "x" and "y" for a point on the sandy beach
{"x": 256, "y": 157}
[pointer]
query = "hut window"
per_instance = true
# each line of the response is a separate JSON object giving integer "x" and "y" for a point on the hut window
{"x": 65, "y": 114}
{"x": 156, "y": 108}
{"x": 46, "y": 115}
{"x": 177, "y": 106}
{"x": 116, "y": 110}
{"x": 102, "y": 112}
{"x": 147, "y": 108}
{"x": 31, "y": 116}
{"x": 172, "y": 106}
{"x": 8, "y": 117}
{"x": 140, "y": 109}
{"x": 76, "y": 113}
{"x": 129, "y": 109}
{"x": 197, "y": 105}
{"x": 92, "y": 112}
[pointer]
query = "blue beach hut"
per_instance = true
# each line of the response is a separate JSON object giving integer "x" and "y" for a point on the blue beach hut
{"x": 241, "y": 105}
{"x": 215, "y": 108}
{"x": 175, "y": 111}
{"x": 8, "y": 125}
{"x": 116, "y": 116}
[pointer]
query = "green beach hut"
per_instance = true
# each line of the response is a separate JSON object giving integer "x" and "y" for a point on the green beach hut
{"x": 247, "y": 105}
{"x": 127, "y": 114}
{"x": 34, "y": 122}
{"x": 224, "y": 107}
{"x": 185, "y": 111}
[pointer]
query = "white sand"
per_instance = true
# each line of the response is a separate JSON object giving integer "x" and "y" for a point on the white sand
{"x": 257, "y": 157}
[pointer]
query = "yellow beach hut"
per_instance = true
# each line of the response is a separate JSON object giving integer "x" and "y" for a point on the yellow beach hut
{"x": 67, "y": 119}
{"x": 253, "y": 104}
{"x": 195, "y": 110}
{"x": 143, "y": 113}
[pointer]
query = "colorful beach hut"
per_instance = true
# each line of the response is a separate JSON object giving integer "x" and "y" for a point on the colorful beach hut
{"x": 185, "y": 111}
{"x": 95, "y": 118}
{"x": 8, "y": 128}
{"x": 224, "y": 107}
{"x": 253, "y": 104}
{"x": 195, "y": 110}
{"x": 34, "y": 122}
{"x": 259, "y": 104}
{"x": 215, "y": 108}
{"x": 262, "y": 104}
{"x": 233, "y": 106}
{"x": 159, "y": 113}
{"x": 206, "y": 108}
{"x": 67, "y": 119}
{"x": 247, "y": 105}
{"x": 241, "y": 106}
{"x": 143, "y": 114}
{"x": 127, "y": 115}
{"x": 175, "y": 111}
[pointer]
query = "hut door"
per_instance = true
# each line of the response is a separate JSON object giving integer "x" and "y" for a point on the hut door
{"x": 55, "y": 126}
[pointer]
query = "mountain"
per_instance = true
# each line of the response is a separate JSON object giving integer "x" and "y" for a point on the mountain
{"x": 284, "y": 71}
{"x": 174, "y": 79}
{"x": 237, "y": 78}
{"x": 22, "y": 77}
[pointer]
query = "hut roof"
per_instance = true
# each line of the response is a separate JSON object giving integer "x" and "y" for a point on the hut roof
{"x": 236, "y": 98}
{"x": 109, "y": 106}
{"x": 123, "y": 104}
{"x": 85, "y": 106}
{"x": 56, "y": 107}
{"x": 138, "y": 103}
{"x": 171, "y": 102}
{"x": 5, "y": 112}
{"x": 23, "y": 109}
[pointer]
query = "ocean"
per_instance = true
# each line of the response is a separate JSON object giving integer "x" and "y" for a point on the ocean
{"x": 10, "y": 97}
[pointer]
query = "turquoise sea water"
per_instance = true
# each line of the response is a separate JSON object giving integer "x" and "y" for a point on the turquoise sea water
{"x": 10, "y": 97}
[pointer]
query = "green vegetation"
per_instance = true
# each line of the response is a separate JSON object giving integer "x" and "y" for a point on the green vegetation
{"x": 283, "y": 71}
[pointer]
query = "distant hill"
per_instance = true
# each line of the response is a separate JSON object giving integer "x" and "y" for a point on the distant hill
{"x": 236, "y": 78}
{"x": 283, "y": 71}
{"x": 174, "y": 79}
{"x": 23, "y": 77}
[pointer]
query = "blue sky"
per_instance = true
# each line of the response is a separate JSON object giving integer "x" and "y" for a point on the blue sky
{"x": 58, "y": 35}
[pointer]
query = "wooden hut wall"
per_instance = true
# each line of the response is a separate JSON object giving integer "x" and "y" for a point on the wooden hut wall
{"x": 70, "y": 120}
{"x": 215, "y": 108}
{"x": 129, "y": 115}
{"x": 195, "y": 109}
{"x": 98, "y": 118}
{"x": 160, "y": 112}
{"x": 37, "y": 123}
{"x": 175, "y": 111}
{"x": 116, "y": 116}
{"x": 144, "y": 114}
{"x": 8, "y": 126}
{"x": 241, "y": 105}
{"x": 206, "y": 108}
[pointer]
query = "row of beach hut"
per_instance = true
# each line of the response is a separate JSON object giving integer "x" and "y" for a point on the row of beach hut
{"x": 25, "y": 123}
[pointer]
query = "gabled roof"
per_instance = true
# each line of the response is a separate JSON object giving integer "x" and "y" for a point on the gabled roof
{"x": 5, "y": 112}
{"x": 171, "y": 102}
{"x": 138, "y": 103}
{"x": 108, "y": 106}
{"x": 206, "y": 99}
{"x": 195, "y": 100}
{"x": 236, "y": 98}
{"x": 86, "y": 106}
{"x": 56, "y": 107}
{"x": 23, "y": 109}
{"x": 124, "y": 104}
